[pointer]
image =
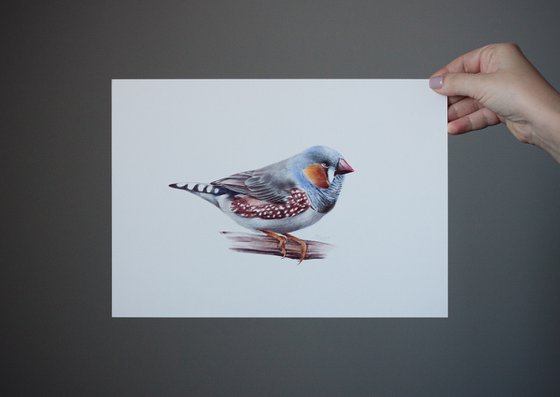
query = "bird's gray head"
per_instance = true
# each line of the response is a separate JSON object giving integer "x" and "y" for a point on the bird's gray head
{"x": 321, "y": 171}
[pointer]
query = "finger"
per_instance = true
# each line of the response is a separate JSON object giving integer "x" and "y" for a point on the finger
{"x": 478, "y": 120}
{"x": 462, "y": 108}
{"x": 454, "y": 99}
{"x": 461, "y": 84}
{"x": 466, "y": 63}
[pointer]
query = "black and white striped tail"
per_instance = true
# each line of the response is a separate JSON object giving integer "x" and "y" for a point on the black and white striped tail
{"x": 204, "y": 190}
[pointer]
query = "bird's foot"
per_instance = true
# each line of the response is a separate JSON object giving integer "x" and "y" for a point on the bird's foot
{"x": 302, "y": 244}
{"x": 281, "y": 241}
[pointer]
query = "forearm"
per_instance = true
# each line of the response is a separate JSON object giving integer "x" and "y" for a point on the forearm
{"x": 548, "y": 136}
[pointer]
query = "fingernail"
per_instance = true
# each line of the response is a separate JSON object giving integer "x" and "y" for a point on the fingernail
{"x": 436, "y": 82}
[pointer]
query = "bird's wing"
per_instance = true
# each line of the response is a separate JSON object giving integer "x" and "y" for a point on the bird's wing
{"x": 271, "y": 183}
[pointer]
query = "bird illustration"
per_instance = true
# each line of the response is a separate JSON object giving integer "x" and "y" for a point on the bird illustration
{"x": 282, "y": 197}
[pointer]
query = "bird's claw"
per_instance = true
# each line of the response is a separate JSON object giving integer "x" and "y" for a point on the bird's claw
{"x": 282, "y": 243}
{"x": 302, "y": 244}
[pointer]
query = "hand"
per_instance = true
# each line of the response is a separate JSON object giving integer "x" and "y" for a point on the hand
{"x": 494, "y": 84}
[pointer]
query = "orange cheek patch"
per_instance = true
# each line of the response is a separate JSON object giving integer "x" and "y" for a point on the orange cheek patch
{"x": 317, "y": 175}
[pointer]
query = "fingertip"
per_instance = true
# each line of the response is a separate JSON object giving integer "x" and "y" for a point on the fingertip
{"x": 456, "y": 127}
{"x": 436, "y": 82}
{"x": 452, "y": 131}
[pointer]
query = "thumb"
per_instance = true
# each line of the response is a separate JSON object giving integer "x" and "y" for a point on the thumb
{"x": 459, "y": 84}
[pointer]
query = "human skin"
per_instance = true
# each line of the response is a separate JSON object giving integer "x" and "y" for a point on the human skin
{"x": 497, "y": 84}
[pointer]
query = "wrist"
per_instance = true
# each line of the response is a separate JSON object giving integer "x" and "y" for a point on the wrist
{"x": 546, "y": 128}
{"x": 538, "y": 120}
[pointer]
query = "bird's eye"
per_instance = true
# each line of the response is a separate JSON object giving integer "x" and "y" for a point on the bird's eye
{"x": 324, "y": 165}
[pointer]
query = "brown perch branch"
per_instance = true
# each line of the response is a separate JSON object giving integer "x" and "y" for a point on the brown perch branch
{"x": 265, "y": 245}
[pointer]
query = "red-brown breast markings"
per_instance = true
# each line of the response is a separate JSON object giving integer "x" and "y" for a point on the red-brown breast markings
{"x": 250, "y": 207}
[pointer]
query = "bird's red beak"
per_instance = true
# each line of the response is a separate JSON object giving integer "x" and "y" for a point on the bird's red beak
{"x": 343, "y": 168}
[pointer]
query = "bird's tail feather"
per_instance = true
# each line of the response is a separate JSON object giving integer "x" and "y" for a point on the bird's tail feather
{"x": 205, "y": 191}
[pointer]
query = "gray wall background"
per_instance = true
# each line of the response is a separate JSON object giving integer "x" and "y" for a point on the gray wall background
{"x": 58, "y": 338}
